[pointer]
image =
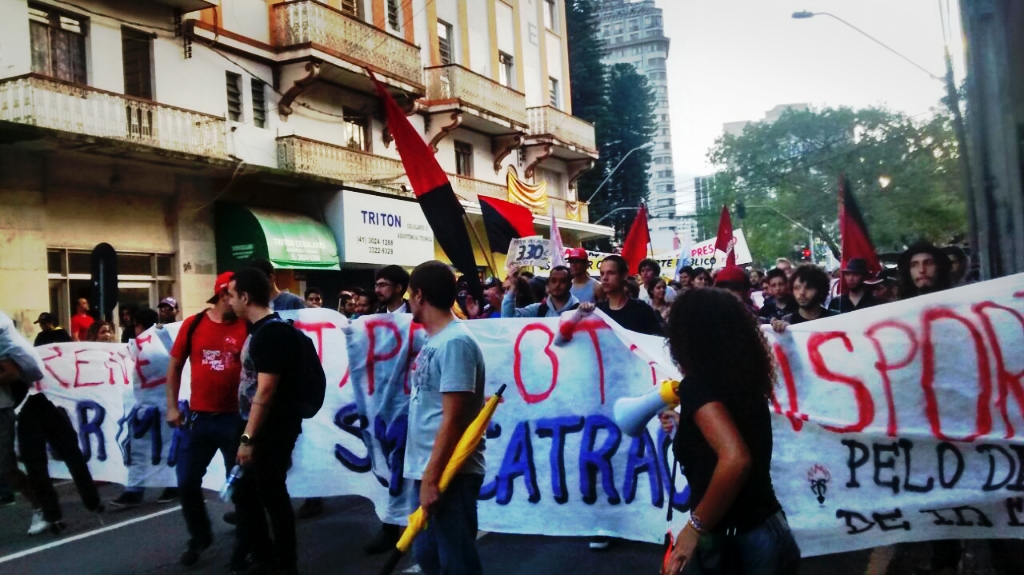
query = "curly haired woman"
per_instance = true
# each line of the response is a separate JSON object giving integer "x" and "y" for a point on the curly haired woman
{"x": 724, "y": 442}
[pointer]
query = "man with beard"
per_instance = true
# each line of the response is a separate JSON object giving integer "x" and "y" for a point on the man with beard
{"x": 809, "y": 285}
{"x": 780, "y": 303}
{"x": 389, "y": 286}
{"x": 855, "y": 294}
{"x": 212, "y": 343}
{"x": 924, "y": 269}
{"x": 557, "y": 301}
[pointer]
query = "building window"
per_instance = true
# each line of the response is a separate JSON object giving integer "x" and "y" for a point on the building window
{"x": 506, "y": 70}
{"x": 463, "y": 159}
{"x": 350, "y": 7}
{"x": 444, "y": 41}
{"x": 143, "y": 280}
{"x": 358, "y": 128}
{"x": 259, "y": 103}
{"x": 553, "y": 93}
{"x": 58, "y": 44}
{"x": 234, "y": 88}
{"x": 550, "y": 14}
{"x": 395, "y": 15}
{"x": 136, "y": 55}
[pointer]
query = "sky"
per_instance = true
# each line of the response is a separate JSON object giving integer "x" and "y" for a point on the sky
{"x": 732, "y": 60}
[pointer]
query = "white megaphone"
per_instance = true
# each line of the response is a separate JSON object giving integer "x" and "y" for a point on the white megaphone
{"x": 632, "y": 413}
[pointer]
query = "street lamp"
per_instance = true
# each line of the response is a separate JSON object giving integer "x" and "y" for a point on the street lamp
{"x": 805, "y": 15}
{"x": 647, "y": 145}
{"x": 604, "y": 217}
{"x": 953, "y": 102}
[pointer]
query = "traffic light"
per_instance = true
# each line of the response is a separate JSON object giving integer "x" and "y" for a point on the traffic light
{"x": 805, "y": 254}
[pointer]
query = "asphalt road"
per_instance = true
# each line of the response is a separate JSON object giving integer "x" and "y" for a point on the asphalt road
{"x": 149, "y": 539}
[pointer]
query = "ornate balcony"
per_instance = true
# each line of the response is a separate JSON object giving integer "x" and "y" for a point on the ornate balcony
{"x": 571, "y": 137}
{"x": 471, "y": 189}
{"x": 493, "y": 108}
{"x": 573, "y": 211}
{"x": 307, "y": 156}
{"x": 40, "y": 101}
{"x": 305, "y": 26}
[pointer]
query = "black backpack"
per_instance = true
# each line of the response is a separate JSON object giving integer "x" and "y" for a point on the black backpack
{"x": 307, "y": 396}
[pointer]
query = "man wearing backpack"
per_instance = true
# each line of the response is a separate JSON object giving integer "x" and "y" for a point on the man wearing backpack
{"x": 559, "y": 298}
{"x": 212, "y": 343}
{"x": 282, "y": 379}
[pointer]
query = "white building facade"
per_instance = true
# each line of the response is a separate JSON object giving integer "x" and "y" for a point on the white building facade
{"x": 152, "y": 124}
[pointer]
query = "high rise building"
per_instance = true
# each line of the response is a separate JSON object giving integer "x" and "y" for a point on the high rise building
{"x": 634, "y": 33}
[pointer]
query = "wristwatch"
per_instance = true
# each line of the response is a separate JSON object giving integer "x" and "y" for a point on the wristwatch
{"x": 246, "y": 439}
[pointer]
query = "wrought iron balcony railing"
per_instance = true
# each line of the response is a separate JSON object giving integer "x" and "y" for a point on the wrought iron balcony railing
{"x": 345, "y": 37}
{"x": 453, "y": 82}
{"x": 548, "y": 121}
{"x": 40, "y": 101}
{"x": 307, "y": 156}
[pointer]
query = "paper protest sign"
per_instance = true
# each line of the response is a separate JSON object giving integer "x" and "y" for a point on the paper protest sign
{"x": 531, "y": 251}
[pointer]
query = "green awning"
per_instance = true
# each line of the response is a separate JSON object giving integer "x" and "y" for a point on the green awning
{"x": 288, "y": 240}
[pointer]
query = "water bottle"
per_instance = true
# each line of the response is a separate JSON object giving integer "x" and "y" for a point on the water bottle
{"x": 229, "y": 485}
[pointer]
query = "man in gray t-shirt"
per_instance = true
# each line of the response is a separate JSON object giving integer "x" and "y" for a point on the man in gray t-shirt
{"x": 447, "y": 381}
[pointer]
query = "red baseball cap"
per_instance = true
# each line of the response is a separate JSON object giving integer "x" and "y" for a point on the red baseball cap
{"x": 220, "y": 285}
{"x": 577, "y": 254}
{"x": 732, "y": 274}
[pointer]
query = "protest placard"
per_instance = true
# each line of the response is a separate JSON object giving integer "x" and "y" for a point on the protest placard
{"x": 531, "y": 251}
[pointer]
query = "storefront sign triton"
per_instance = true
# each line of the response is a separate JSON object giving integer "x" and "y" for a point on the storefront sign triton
{"x": 378, "y": 230}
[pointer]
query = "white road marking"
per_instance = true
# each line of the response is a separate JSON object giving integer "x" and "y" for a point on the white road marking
{"x": 67, "y": 540}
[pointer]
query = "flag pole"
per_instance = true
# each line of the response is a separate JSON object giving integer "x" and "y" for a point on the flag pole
{"x": 487, "y": 257}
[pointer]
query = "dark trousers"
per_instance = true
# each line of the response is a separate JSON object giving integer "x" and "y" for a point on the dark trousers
{"x": 204, "y": 435}
{"x": 448, "y": 545}
{"x": 41, "y": 422}
{"x": 261, "y": 497}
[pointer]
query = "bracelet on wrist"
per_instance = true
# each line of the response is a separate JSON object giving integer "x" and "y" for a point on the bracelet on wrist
{"x": 696, "y": 524}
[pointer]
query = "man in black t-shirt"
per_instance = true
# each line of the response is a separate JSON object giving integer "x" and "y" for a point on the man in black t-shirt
{"x": 809, "y": 285}
{"x": 51, "y": 332}
{"x": 781, "y": 302}
{"x": 628, "y": 312}
{"x": 270, "y": 371}
{"x": 856, "y": 295}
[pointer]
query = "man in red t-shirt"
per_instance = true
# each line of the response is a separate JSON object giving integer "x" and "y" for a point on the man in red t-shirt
{"x": 213, "y": 422}
{"x": 81, "y": 321}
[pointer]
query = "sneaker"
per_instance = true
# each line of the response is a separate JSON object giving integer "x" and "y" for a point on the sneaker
{"x": 311, "y": 507}
{"x": 7, "y": 500}
{"x": 384, "y": 541}
{"x": 190, "y": 556}
{"x": 127, "y": 499}
{"x": 169, "y": 495}
{"x": 600, "y": 543}
{"x": 40, "y": 525}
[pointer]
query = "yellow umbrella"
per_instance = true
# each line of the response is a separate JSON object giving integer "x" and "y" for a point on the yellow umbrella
{"x": 466, "y": 446}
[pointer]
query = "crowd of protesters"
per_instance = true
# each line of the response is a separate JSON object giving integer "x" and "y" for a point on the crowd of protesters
{"x": 241, "y": 356}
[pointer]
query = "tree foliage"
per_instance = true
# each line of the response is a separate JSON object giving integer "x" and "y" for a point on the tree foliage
{"x": 793, "y": 166}
{"x": 620, "y": 104}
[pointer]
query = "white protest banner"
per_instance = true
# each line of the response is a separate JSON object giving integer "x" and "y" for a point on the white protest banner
{"x": 531, "y": 251}
{"x": 895, "y": 423}
{"x": 704, "y": 254}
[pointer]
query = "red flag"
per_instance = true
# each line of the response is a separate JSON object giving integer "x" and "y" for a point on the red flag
{"x": 855, "y": 238}
{"x": 505, "y": 221}
{"x": 433, "y": 190}
{"x": 725, "y": 241}
{"x": 634, "y": 250}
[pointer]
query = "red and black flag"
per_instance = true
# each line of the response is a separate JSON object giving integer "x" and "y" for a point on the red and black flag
{"x": 433, "y": 190}
{"x": 725, "y": 241}
{"x": 505, "y": 221}
{"x": 855, "y": 238}
{"x": 634, "y": 249}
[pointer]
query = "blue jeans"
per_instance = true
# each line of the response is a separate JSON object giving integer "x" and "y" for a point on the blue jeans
{"x": 768, "y": 549}
{"x": 448, "y": 545}
{"x": 204, "y": 435}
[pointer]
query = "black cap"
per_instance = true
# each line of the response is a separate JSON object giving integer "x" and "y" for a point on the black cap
{"x": 46, "y": 317}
